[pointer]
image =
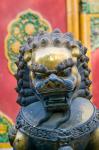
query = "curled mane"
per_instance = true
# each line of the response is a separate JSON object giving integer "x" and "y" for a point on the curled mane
{"x": 55, "y": 39}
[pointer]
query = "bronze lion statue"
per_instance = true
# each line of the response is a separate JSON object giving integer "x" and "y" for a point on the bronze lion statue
{"x": 53, "y": 91}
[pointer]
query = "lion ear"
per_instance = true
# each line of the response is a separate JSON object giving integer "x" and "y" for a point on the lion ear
{"x": 76, "y": 52}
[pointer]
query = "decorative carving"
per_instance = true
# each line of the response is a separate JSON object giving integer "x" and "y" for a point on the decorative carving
{"x": 5, "y": 125}
{"x": 26, "y": 24}
{"x": 94, "y": 33}
{"x": 57, "y": 134}
{"x": 90, "y": 6}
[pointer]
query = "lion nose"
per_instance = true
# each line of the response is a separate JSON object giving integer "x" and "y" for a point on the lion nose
{"x": 53, "y": 77}
{"x": 54, "y": 82}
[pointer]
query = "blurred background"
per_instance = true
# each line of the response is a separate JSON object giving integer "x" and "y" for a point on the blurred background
{"x": 22, "y": 18}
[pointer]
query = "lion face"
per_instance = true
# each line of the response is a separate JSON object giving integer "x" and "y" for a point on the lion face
{"x": 56, "y": 65}
{"x": 54, "y": 74}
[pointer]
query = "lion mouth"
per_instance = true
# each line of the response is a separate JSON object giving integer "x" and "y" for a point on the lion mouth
{"x": 56, "y": 103}
{"x": 50, "y": 91}
{"x": 59, "y": 87}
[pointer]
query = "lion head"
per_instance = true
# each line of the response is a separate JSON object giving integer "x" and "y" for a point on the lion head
{"x": 57, "y": 67}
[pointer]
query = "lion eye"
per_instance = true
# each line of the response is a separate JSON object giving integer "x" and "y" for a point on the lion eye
{"x": 39, "y": 75}
{"x": 67, "y": 71}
